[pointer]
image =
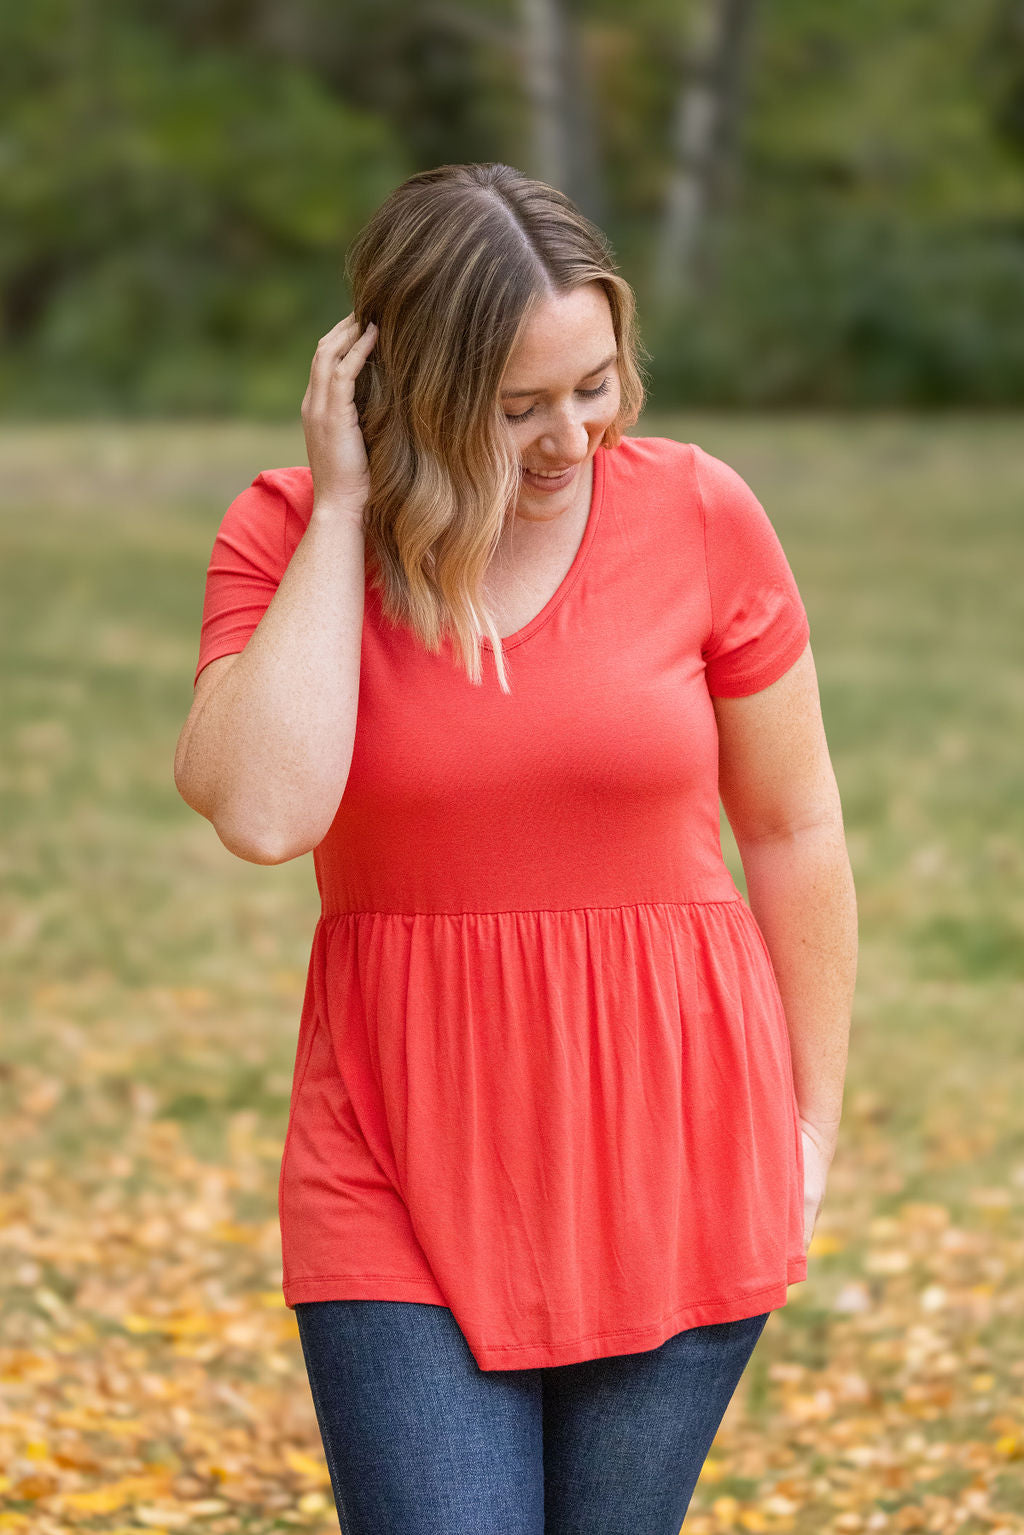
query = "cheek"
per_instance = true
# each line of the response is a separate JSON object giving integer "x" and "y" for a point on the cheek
{"x": 608, "y": 409}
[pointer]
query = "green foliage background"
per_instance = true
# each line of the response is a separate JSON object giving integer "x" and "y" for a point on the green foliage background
{"x": 179, "y": 184}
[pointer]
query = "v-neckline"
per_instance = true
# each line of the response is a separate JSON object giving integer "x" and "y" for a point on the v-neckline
{"x": 568, "y": 581}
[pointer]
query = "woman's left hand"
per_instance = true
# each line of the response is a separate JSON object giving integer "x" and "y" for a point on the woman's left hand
{"x": 818, "y": 1151}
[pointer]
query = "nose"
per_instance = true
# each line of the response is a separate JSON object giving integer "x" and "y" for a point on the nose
{"x": 566, "y": 442}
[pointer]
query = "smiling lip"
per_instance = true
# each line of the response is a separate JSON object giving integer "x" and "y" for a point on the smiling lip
{"x": 550, "y": 481}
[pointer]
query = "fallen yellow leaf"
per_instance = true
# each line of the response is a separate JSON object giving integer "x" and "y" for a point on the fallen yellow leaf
{"x": 312, "y": 1503}
{"x": 162, "y": 1518}
{"x": 823, "y": 1243}
{"x": 305, "y": 1465}
{"x": 108, "y": 1499}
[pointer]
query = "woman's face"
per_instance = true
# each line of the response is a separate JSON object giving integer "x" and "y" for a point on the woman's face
{"x": 560, "y": 392}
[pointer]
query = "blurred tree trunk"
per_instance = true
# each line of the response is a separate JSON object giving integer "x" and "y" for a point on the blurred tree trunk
{"x": 704, "y": 137}
{"x": 1002, "y": 62}
{"x": 558, "y": 94}
{"x": 586, "y": 184}
{"x": 543, "y": 72}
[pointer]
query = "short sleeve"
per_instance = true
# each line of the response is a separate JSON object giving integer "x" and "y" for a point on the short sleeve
{"x": 759, "y": 625}
{"x": 248, "y": 560}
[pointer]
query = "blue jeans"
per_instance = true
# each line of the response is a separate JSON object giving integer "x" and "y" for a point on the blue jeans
{"x": 420, "y": 1441}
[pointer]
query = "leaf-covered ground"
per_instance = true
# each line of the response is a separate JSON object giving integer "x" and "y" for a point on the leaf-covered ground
{"x": 151, "y": 1377}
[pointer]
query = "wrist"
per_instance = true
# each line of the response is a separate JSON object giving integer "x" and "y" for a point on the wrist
{"x": 335, "y": 509}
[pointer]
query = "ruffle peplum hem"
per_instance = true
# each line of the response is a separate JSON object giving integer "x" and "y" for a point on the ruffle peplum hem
{"x": 546, "y": 1120}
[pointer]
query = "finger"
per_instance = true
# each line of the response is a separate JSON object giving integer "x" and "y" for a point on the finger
{"x": 358, "y": 350}
{"x": 344, "y": 372}
{"x": 340, "y": 326}
{"x": 336, "y": 342}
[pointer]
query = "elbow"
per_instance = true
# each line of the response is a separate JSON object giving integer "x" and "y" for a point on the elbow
{"x": 238, "y": 840}
{"x": 252, "y": 852}
{"x": 242, "y": 834}
{"x": 823, "y": 827}
{"x": 252, "y": 844}
{"x": 817, "y": 840}
{"x": 266, "y": 847}
{"x": 185, "y": 786}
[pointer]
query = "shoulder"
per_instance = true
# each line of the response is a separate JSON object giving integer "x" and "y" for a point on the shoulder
{"x": 294, "y": 483}
{"x": 717, "y": 481}
{"x": 271, "y": 493}
{"x": 652, "y": 459}
{"x": 272, "y": 513}
{"x": 683, "y": 477}
{"x": 680, "y": 479}
{"x": 293, "y": 486}
{"x": 663, "y": 465}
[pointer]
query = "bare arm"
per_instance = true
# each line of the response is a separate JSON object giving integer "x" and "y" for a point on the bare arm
{"x": 266, "y": 750}
{"x": 780, "y": 795}
{"x": 265, "y": 757}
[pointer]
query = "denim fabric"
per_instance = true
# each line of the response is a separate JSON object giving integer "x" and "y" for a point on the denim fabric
{"x": 420, "y": 1441}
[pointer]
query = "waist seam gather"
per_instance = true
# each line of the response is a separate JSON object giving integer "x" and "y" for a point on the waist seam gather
{"x": 525, "y": 911}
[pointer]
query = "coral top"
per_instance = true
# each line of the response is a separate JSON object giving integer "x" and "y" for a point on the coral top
{"x": 543, "y": 1073}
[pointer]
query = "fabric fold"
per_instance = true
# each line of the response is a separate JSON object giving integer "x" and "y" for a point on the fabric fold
{"x": 568, "y": 1116}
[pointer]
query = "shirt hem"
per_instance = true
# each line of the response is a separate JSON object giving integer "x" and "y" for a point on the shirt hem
{"x": 362, "y": 1287}
{"x": 785, "y": 655}
{"x": 537, "y": 1355}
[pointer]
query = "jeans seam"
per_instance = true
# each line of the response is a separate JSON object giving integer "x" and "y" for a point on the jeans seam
{"x": 325, "y": 1435}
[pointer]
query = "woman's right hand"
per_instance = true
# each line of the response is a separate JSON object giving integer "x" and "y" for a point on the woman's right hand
{"x": 330, "y": 421}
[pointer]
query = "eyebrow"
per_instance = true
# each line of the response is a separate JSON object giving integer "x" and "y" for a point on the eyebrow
{"x": 514, "y": 394}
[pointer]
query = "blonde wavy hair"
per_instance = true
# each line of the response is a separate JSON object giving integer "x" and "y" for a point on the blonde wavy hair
{"x": 448, "y": 268}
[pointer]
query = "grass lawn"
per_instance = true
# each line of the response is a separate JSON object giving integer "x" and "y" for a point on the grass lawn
{"x": 150, "y": 1375}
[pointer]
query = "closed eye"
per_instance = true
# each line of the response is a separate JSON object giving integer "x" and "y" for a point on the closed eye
{"x": 590, "y": 394}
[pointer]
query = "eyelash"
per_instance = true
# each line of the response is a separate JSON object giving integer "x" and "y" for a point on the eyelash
{"x": 591, "y": 394}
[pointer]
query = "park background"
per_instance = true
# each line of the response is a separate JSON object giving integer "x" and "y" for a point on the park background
{"x": 821, "y": 209}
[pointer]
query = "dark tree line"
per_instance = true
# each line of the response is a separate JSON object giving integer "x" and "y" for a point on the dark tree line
{"x": 816, "y": 204}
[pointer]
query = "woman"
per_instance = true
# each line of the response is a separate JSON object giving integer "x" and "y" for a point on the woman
{"x": 563, "y": 1108}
